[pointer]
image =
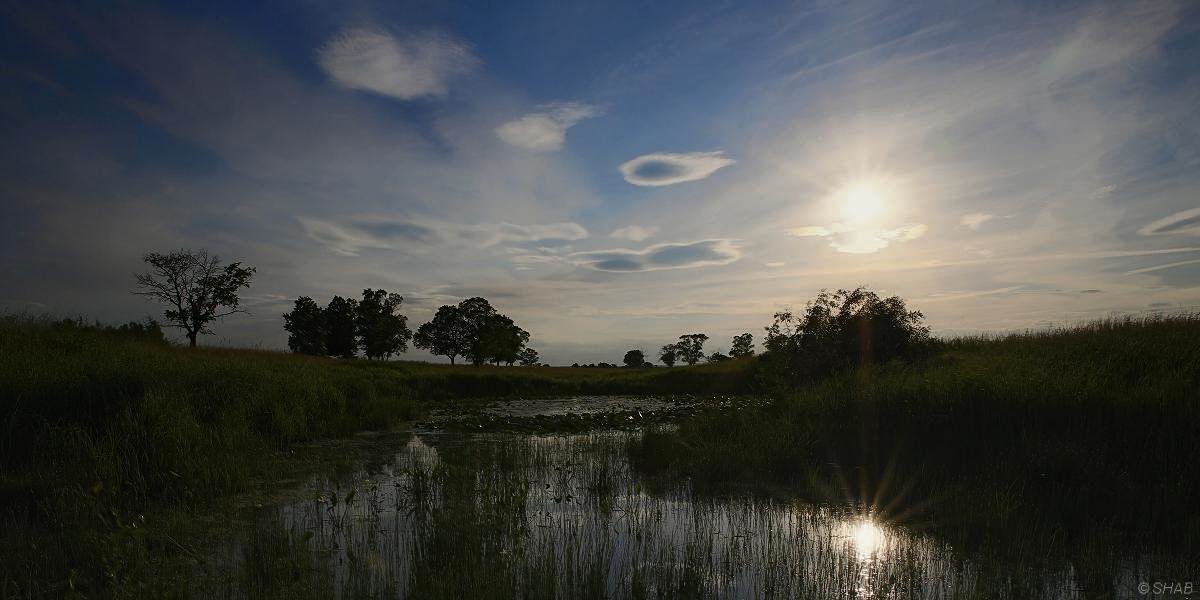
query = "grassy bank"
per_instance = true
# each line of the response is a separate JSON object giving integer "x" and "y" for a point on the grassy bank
{"x": 97, "y": 428}
{"x": 1067, "y": 442}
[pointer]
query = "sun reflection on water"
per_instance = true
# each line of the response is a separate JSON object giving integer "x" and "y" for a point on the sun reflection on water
{"x": 868, "y": 537}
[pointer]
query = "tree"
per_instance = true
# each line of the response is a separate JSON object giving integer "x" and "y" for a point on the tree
{"x": 668, "y": 355}
{"x": 306, "y": 327}
{"x": 341, "y": 338}
{"x": 717, "y": 357}
{"x": 476, "y": 312}
{"x": 381, "y": 331}
{"x": 690, "y": 347}
{"x": 195, "y": 286}
{"x": 742, "y": 346}
{"x": 634, "y": 359}
{"x": 501, "y": 340}
{"x": 528, "y": 357}
{"x": 448, "y": 334}
{"x": 844, "y": 329}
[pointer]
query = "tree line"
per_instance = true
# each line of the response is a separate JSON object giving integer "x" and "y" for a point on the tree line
{"x": 836, "y": 330}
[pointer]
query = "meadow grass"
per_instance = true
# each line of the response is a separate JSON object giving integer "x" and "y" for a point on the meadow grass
{"x": 1081, "y": 442}
{"x": 96, "y": 429}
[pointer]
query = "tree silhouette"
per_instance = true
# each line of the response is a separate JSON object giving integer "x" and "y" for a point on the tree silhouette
{"x": 668, "y": 355}
{"x": 195, "y": 286}
{"x": 306, "y": 327}
{"x": 844, "y": 329}
{"x": 690, "y": 347}
{"x": 340, "y": 330}
{"x": 448, "y": 334}
{"x": 476, "y": 312}
{"x": 742, "y": 346}
{"x": 381, "y": 331}
{"x": 634, "y": 359}
{"x": 501, "y": 340}
{"x": 528, "y": 357}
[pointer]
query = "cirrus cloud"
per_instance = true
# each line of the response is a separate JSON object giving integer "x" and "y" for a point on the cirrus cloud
{"x": 417, "y": 65}
{"x": 683, "y": 255}
{"x": 545, "y": 129}
{"x": 664, "y": 168}
{"x": 1184, "y": 221}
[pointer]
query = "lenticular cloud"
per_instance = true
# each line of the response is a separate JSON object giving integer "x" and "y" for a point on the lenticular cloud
{"x": 662, "y": 168}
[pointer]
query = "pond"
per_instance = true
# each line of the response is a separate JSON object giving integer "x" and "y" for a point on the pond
{"x": 442, "y": 513}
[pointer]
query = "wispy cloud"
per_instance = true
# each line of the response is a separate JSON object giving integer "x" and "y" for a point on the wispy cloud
{"x": 351, "y": 236}
{"x": 546, "y": 128}
{"x": 974, "y": 221}
{"x": 658, "y": 257}
{"x": 662, "y": 168}
{"x": 1182, "y": 222}
{"x": 407, "y": 67}
{"x": 853, "y": 240}
{"x": 1161, "y": 267}
{"x": 634, "y": 233}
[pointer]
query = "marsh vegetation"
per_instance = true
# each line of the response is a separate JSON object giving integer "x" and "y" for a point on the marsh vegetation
{"x": 1054, "y": 464}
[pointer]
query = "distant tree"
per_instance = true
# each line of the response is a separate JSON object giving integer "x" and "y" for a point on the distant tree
{"x": 669, "y": 354}
{"x": 690, "y": 347}
{"x": 634, "y": 359}
{"x": 306, "y": 327}
{"x": 381, "y": 331}
{"x": 743, "y": 345}
{"x": 501, "y": 340}
{"x": 148, "y": 330}
{"x": 717, "y": 357}
{"x": 195, "y": 287}
{"x": 528, "y": 357}
{"x": 447, "y": 334}
{"x": 341, "y": 339}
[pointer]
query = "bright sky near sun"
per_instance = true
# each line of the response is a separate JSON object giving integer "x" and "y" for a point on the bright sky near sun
{"x": 611, "y": 175}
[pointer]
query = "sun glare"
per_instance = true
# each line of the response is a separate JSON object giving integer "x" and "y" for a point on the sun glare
{"x": 868, "y": 538}
{"x": 863, "y": 201}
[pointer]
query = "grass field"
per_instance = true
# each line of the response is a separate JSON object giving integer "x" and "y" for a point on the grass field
{"x": 1086, "y": 440}
{"x": 97, "y": 428}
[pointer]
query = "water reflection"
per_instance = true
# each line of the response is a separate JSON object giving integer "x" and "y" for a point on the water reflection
{"x": 515, "y": 515}
{"x": 568, "y": 514}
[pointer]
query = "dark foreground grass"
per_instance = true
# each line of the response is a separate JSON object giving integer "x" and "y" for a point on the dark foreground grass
{"x": 97, "y": 429}
{"x": 1081, "y": 442}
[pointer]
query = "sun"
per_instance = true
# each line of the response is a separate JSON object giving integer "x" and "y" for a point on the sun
{"x": 863, "y": 201}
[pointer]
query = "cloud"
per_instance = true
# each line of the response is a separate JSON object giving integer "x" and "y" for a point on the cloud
{"x": 659, "y": 257}
{"x": 635, "y": 233}
{"x": 663, "y": 168}
{"x": 351, "y": 236}
{"x": 974, "y": 221}
{"x": 774, "y": 265}
{"x": 1185, "y": 221}
{"x": 546, "y": 129}
{"x": 1161, "y": 267}
{"x": 416, "y": 65}
{"x": 860, "y": 241}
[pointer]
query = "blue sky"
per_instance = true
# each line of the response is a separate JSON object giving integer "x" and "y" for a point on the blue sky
{"x": 611, "y": 175}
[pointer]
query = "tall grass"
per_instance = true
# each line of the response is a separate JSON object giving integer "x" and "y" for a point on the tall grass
{"x": 96, "y": 428}
{"x": 1073, "y": 441}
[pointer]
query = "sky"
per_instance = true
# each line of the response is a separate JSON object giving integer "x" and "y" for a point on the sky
{"x": 611, "y": 175}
